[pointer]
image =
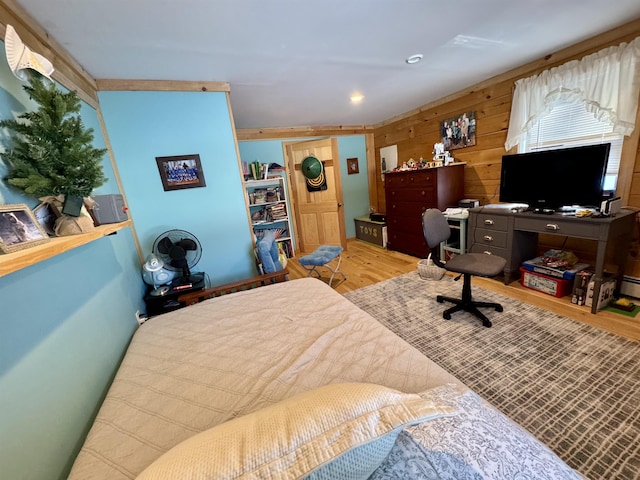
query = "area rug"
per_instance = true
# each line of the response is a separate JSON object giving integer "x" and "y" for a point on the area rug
{"x": 573, "y": 386}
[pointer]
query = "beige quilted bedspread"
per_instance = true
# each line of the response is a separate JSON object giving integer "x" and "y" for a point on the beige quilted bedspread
{"x": 193, "y": 368}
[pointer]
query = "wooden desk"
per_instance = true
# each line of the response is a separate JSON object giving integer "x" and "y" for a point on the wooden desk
{"x": 514, "y": 236}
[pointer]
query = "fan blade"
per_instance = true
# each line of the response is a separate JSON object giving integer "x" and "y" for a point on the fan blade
{"x": 164, "y": 245}
{"x": 187, "y": 244}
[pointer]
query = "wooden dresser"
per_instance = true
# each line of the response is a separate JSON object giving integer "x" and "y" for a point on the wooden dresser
{"x": 409, "y": 193}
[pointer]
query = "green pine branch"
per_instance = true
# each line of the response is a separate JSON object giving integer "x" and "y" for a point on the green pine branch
{"x": 52, "y": 152}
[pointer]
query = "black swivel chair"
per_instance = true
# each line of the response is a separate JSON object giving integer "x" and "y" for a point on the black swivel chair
{"x": 436, "y": 230}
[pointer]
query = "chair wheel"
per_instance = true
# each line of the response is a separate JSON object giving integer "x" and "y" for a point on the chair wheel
{"x": 446, "y": 316}
{"x": 439, "y": 299}
{"x": 499, "y": 308}
{"x": 486, "y": 323}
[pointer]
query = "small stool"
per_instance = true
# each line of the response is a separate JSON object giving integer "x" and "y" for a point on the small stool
{"x": 320, "y": 257}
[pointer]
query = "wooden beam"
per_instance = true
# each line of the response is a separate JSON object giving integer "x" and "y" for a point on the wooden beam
{"x": 245, "y": 134}
{"x": 161, "y": 85}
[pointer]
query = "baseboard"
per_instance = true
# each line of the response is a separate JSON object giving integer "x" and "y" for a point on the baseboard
{"x": 630, "y": 286}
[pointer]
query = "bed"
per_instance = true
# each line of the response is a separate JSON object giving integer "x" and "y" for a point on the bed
{"x": 291, "y": 380}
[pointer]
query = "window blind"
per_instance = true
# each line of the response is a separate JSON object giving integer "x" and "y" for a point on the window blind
{"x": 571, "y": 125}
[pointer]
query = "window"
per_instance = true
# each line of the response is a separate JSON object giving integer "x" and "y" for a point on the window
{"x": 569, "y": 124}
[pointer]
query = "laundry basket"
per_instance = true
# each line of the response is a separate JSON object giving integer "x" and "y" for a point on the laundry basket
{"x": 429, "y": 270}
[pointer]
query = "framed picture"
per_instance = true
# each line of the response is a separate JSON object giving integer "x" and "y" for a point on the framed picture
{"x": 459, "y": 131}
{"x": 352, "y": 166}
{"x": 46, "y": 214}
{"x": 181, "y": 171}
{"x": 19, "y": 228}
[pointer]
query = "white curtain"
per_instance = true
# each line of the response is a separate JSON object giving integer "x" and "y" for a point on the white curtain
{"x": 607, "y": 82}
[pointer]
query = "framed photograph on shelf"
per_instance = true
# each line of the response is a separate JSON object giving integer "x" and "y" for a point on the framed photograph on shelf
{"x": 181, "y": 171}
{"x": 19, "y": 228}
{"x": 46, "y": 214}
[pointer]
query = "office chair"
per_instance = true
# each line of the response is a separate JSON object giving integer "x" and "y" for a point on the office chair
{"x": 436, "y": 230}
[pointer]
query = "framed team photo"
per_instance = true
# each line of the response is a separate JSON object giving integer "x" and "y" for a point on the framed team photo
{"x": 181, "y": 171}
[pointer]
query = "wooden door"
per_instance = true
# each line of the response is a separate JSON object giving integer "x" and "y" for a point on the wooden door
{"x": 319, "y": 216}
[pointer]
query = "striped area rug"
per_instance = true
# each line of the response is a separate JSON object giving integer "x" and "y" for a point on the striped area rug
{"x": 573, "y": 386}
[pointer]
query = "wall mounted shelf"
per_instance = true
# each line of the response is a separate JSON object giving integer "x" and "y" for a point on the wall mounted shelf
{"x": 12, "y": 262}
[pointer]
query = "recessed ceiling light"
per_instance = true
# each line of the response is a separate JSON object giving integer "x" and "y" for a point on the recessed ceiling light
{"x": 414, "y": 58}
{"x": 357, "y": 97}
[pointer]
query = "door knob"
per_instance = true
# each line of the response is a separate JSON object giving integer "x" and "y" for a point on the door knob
{"x": 339, "y": 205}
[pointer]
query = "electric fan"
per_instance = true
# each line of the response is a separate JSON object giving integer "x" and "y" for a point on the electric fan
{"x": 179, "y": 252}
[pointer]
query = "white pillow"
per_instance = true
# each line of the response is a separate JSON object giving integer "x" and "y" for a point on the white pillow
{"x": 299, "y": 435}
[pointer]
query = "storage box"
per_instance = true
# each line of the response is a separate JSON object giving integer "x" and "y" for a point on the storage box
{"x": 557, "y": 287}
{"x": 370, "y": 231}
{"x": 581, "y": 287}
{"x": 606, "y": 293}
{"x": 109, "y": 209}
{"x": 536, "y": 265}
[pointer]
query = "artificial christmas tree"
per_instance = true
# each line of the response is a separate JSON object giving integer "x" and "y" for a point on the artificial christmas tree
{"x": 52, "y": 152}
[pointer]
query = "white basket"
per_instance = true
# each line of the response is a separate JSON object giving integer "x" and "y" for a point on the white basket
{"x": 429, "y": 270}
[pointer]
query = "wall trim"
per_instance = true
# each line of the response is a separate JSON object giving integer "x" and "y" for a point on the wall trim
{"x": 245, "y": 134}
{"x": 161, "y": 85}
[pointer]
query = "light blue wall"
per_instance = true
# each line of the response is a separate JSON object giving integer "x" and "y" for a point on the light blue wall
{"x": 355, "y": 187}
{"x": 146, "y": 125}
{"x": 64, "y": 326}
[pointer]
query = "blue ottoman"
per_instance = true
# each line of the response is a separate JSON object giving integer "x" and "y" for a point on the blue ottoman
{"x": 321, "y": 257}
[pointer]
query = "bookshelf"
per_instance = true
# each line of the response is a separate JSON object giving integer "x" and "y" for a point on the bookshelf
{"x": 269, "y": 210}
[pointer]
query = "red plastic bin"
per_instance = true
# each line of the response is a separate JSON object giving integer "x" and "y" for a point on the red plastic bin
{"x": 556, "y": 287}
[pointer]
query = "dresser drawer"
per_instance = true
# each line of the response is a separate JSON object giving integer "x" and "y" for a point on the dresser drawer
{"x": 484, "y": 236}
{"x": 493, "y": 222}
{"x": 490, "y": 250}
{"x": 407, "y": 243}
{"x": 421, "y": 178}
{"x": 559, "y": 226}
{"x": 426, "y": 194}
{"x": 411, "y": 225}
{"x": 407, "y": 209}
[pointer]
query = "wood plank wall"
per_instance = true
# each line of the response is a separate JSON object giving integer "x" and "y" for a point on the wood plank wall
{"x": 416, "y": 132}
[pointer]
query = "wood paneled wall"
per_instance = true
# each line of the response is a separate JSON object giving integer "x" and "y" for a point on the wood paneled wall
{"x": 416, "y": 132}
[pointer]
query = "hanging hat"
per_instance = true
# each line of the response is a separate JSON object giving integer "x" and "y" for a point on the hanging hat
{"x": 311, "y": 168}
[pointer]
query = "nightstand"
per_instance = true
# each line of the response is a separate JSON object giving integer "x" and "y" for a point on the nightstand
{"x": 158, "y": 304}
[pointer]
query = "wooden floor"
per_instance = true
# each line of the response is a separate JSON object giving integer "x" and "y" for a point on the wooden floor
{"x": 365, "y": 264}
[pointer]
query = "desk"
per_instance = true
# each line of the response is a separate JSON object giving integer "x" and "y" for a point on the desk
{"x": 514, "y": 236}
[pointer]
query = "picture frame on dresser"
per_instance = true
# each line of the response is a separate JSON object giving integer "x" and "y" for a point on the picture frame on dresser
{"x": 19, "y": 228}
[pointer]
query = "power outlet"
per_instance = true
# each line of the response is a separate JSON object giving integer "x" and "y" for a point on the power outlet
{"x": 141, "y": 317}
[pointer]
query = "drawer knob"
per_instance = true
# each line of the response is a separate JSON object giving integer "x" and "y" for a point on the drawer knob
{"x": 488, "y": 222}
{"x": 488, "y": 238}
{"x": 423, "y": 193}
{"x": 552, "y": 226}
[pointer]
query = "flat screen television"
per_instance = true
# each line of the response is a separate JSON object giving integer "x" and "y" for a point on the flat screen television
{"x": 548, "y": 180}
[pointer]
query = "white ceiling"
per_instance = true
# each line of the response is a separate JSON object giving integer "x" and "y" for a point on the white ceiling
{"x": 296, "y": 62}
